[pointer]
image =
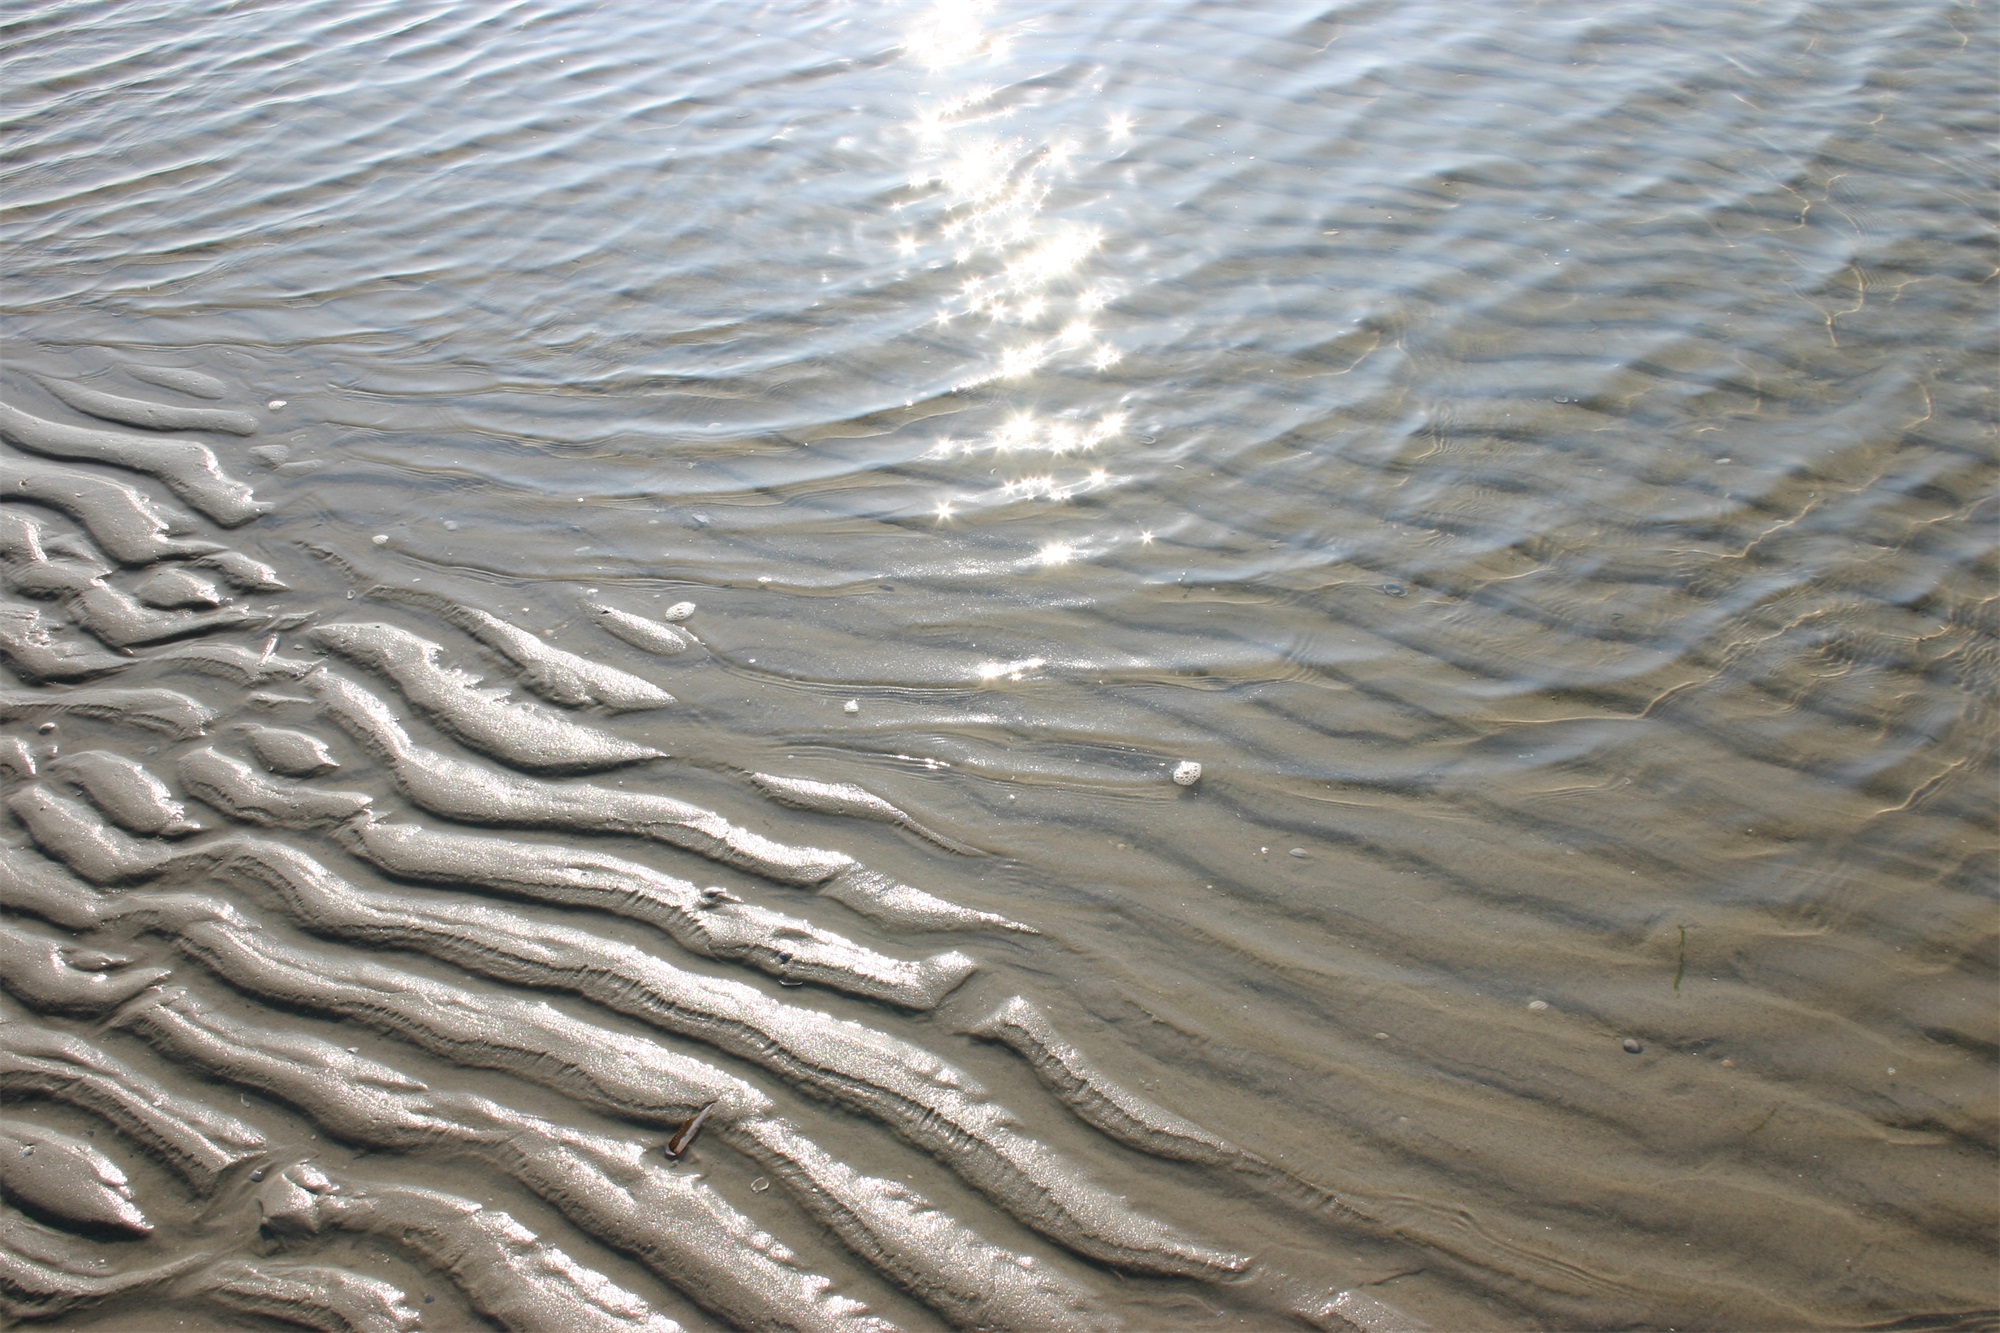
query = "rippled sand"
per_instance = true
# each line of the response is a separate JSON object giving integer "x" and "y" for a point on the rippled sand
{"x": 998, "y": 669}
{"x": 305, "y": 761}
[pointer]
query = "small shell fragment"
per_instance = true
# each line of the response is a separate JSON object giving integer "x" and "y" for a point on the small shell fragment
{"x": 678, "y": 611}
{"x": 1187, "y": 772}
{"x": 851, "y": 706}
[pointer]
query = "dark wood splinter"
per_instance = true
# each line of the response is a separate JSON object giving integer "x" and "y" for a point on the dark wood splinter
{"x": 683, "y": 1138}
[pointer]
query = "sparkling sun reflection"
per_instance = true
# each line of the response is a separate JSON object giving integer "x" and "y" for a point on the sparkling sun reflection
{"x": 993, "y": 187}
{"x": 1022, "y": 299}
{"x": 1055, "y": 553}
{"x": 953, "y": 33}
{"x": 1010, "y": 670}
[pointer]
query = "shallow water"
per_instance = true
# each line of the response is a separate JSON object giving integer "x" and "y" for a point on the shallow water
{"x": 1538, "y": 461}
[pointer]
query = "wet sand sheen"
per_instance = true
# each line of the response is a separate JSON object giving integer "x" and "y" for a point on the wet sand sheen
{"x": 984, "y": 668}
{"x": 121, "y": 826}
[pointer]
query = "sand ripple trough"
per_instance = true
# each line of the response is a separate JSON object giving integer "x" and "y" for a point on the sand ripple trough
{"x": 966, "y": 665}
{"x": 133, "y": 838}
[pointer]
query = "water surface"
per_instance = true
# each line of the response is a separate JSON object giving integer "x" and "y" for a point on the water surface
{"x": 1538, "y": 460}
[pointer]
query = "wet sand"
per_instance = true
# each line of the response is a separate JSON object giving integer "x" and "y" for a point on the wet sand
{"x": 999, "y": 670}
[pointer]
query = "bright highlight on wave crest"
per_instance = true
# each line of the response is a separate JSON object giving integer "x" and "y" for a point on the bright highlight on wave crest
{"x": 1056, "y": 553}
{"x": 953, "y": 33}
{"x": 1026, "y": 433}
{"x": 1010, "y": 670}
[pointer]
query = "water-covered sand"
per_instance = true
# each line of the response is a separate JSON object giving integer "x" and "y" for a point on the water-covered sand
{"x": 997, "y": 667}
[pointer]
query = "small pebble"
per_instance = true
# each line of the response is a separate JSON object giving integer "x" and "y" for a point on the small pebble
{"x": 1187, "y": 772}
{"x": 1395, "y": 590}
{"x": 275, "y": 404}
{"x": 678, "y": 611}
{"x": 380, "y": 539}
{"x": 851, "y": 706}
{"x": 1729, "y": 1063}
{"x": 451, "y": 525}
{"x": 1381, "y": 1036}
{"x": 1632, "y": 1046}
{"x": 1301, "y": 853}
{"x": 1539, "y": 1006}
